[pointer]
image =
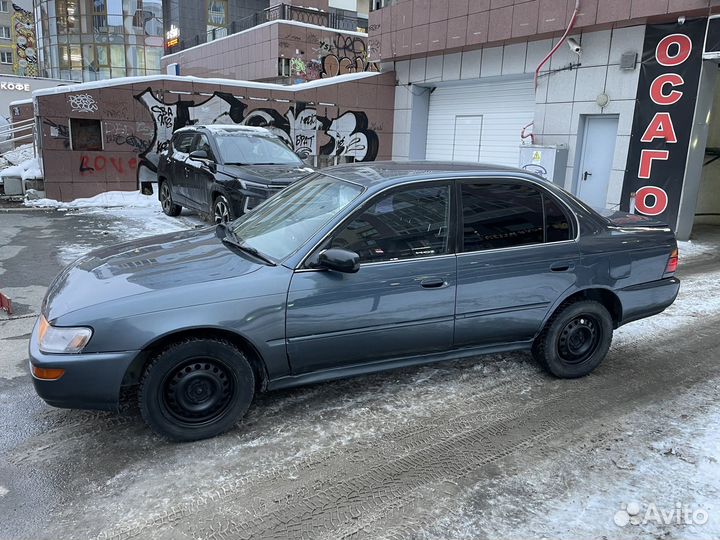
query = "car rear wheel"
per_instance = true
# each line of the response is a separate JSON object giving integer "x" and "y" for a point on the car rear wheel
{"x": 166, "y": 200}
{"x": 196, "y": 388}
{"x": 222, "y": 210}
{"x": 575, "y": 340}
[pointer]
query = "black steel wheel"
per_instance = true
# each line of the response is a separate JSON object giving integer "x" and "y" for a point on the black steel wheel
{"x": 222, "y": 210}
{"x": 575, "y": 340}
{"x": 166, "y": 200}
{"x": 196, "y": 388}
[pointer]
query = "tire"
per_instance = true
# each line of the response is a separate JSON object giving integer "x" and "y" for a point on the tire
{"x": 222, "y": 210}
{"x": 575, "y": 340}
{"x": 196, "y": 389}
{"x": 166, "y": 200}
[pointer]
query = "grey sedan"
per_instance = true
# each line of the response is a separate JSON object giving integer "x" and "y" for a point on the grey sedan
{"x": 355, "y": 269}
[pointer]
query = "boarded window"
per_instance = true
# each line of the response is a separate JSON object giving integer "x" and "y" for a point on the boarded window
{"x": 86, "y": 134}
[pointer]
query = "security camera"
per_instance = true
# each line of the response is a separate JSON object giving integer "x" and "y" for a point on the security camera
{"x": 681, "y": 20}
{"x": 574, "y": 46}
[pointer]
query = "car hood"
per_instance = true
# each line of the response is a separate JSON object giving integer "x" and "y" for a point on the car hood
{"x": 267, "y": 174}
{"x": 133, "y": 268}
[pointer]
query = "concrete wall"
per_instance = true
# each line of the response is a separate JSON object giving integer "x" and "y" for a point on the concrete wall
{"x": 347, "y": 120}
{"x": 563, "y": 98}
{"x": 708, "y": 201}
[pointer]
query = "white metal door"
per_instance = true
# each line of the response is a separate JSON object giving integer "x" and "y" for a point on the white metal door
{"x": 467, "y": 137}
{"x": 598, "y": 149}
{"x": 480, "y": 121}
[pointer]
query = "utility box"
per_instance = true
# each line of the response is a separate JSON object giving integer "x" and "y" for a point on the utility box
{"x": 550, "y": 162}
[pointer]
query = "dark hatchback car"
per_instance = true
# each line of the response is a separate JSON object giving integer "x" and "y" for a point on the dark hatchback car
{"x": 355, "y": 269}
{"x": 224, "y": 170}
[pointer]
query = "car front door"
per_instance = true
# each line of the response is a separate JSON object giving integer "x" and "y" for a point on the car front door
{"x": 178, "y": 166}
{"x": 518, "y": 256}
{"x": 402, "y": 300}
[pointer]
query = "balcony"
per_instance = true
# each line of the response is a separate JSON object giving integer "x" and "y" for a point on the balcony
{"x": 279, "y": 12}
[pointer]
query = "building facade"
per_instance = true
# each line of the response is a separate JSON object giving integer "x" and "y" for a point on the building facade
{"x": 190, "y": 24}
{"x": 478, "y": 81}
{"x": 97, "y": 137}
{"x": 89, "y": 40}
{"x": 18, "y": 39}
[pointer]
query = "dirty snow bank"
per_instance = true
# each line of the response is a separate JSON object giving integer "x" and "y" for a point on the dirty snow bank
{"x": 109, "y": 199}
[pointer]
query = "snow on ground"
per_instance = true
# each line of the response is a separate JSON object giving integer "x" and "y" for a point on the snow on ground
{"x": 27, "y": 170}
{"x": 128, "y": 214}
{"x": 17, "y": 155}
{"x": 109, "y": 199}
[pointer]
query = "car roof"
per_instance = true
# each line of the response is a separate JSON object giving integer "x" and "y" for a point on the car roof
{"x": 380, "y": 173}
{"x": 229, "y": 129}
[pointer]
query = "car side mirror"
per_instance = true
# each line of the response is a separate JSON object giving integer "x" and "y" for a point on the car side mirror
{"x": 339, "y": 260}
{"x": 201, "y": 155}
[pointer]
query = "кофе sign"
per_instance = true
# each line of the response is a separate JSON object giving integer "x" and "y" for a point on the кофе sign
{"x": 667, "y": 92}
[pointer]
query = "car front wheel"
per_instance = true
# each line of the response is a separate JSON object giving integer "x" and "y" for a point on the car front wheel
{"x": 222, "y": 210}
{"x": 575, "y": 340}
{"x": 196, "y": 388}
{"x": 166, "y": 200}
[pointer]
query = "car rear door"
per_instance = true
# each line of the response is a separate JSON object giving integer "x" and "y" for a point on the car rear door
{"x": 518, "y": 256}
{"x": 402, "y": 300}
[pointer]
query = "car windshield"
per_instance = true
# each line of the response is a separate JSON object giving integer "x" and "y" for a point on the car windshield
{"x": 282, "y": 224}
{"x": 251, "y": 149}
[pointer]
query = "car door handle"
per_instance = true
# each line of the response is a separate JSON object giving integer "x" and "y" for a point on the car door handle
{"x": 433, "y": 283}
{"x": 562, "y": 267}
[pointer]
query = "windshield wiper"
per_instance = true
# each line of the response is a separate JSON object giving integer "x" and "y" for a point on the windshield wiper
{"x": 233, "y": 240}
{"x": 234, "y": 163}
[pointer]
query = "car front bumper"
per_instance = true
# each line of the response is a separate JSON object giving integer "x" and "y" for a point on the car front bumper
{"x": 90, "y": 381}
{"x": 647, "y": 299}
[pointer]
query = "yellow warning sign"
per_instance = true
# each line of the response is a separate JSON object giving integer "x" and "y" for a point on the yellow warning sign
{"x": 537, "y": 156}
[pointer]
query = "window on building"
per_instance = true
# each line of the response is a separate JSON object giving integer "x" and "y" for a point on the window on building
{"x": 407, "y": 224}
{"x": 5, "y": 32}
{"x": 4, "y": 6}
{"x": 86, "y": 134}
{"x": 217, "y": 18}
{"x": 6, "y": 57}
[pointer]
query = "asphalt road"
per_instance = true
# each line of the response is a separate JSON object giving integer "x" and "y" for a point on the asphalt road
{"x": 481, "y": 448}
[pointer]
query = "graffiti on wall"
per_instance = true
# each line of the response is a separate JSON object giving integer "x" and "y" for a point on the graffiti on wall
{"x": 25, "y": 60}
{"x": 301, "y": 127}
{"x": 339, "y": 55}
{"x": 83, "y": 103}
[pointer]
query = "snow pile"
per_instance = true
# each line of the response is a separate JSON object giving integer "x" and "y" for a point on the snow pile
{"x": 109, "y": 199}
{"x": 19, "y": 155}
{"x": 27, "y": 170}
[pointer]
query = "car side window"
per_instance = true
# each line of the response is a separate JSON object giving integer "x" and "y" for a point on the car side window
{"x": 406, "y": 224}
{"x": 500, "y": 215}
{"x": 557, "y": 224}
{"x": 201, "y": 143}
{"x": 183, "y": 141}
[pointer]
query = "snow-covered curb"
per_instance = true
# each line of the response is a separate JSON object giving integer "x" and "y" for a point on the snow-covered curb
{"x": 109, "y": 199}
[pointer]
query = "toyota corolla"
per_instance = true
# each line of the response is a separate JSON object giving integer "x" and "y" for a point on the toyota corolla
{"x": 355, "y": 269}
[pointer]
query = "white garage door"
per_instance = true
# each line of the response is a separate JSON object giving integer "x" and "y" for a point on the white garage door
{"x": 480, "y": 122}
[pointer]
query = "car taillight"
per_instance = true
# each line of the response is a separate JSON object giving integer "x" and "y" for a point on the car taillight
{"x": 672, "y": 263}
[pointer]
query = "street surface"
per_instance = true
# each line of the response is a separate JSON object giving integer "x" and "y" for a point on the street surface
{"x": 490, "y": 447}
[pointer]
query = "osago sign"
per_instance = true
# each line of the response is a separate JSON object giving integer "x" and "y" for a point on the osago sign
{"x": 667, "y": 92}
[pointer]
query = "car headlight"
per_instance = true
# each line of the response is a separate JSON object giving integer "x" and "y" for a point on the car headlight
{"x": 62, "y": 339}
